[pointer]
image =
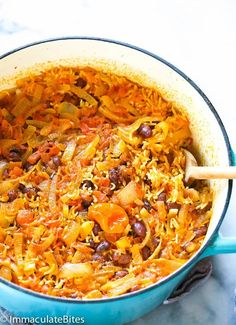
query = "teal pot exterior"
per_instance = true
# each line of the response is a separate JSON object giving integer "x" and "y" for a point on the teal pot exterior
{"x": 118, "y": 310}
{"x": 115, "y": 311}
{"x": 108, "y": 312}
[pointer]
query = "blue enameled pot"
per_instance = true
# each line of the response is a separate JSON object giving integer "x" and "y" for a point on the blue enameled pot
{"x": 210, "y": 138}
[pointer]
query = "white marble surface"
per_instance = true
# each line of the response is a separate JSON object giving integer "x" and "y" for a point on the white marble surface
{"x": 199, "y": 37}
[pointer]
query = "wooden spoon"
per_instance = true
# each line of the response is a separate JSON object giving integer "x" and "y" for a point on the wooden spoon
{"x": 193, "y": 171}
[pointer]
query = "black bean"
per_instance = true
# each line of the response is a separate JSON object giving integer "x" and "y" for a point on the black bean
{"x": 121, "y": 274}
{"x": 139, "y": 229}
{"x": 162, "y": 197}
{"x": 12, "y": 195}
{"x": 88, "y": 184}
{"x": 147, "y": 205}
{"x": 14, "y": 156}
{"x": 103, "y": 246}
{"x": 86, "y": 204}
{"x": 96, "y": 229}
{"x": 56, "y": 161}
{"x": 144, "y": 131}
{"x": 173, "y": 205}
{"x": 80, "y": 82}
{"x": 122, "y": 259}
{"x": 146, "y": 252}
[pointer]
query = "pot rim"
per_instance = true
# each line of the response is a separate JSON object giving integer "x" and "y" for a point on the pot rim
{"x": 230, "y": 182}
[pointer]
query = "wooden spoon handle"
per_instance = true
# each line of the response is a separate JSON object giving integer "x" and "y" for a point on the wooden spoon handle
{"x": 199, "y": 172}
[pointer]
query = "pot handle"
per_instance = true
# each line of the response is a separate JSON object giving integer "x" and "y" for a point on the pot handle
{"x": 220, "y": 245}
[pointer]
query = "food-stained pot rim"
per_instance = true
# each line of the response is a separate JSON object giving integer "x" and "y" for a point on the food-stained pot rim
{"x": 230, "y": 183}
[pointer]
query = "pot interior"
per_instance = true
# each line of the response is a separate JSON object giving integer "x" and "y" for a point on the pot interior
{"x": 209, "y": 140}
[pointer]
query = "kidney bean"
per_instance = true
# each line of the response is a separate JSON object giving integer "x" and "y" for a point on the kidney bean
{"x": 30, "y": 191}
{"x": 146, "y": 252}
{"x": 103, "y": 246}
{"x": 56, "y": 161}
{"x": 27, "y": 166}
{"x": 122, "y": 259}
{"x": 5, "y": 173}
{"x": 144, "y": 131}
{"x": 12, "y": 195}
{"x": 155, "y": 241}
{"x": 147, "y": 205}
{"x": 92, "y": 243}
{"x": 14, "y": 156}
{"x": 98, "y": 257}
{"x": 139, "y": 229}
{"x": 173, "y": 205}
{"x": 200, "y": 231}
{"x": 162, "y": 197}
{"x": 114, "y": 176}
{"x": 96, "y": 229}
{"x": 121, "y": 274}
{"x": 21, "y": 187}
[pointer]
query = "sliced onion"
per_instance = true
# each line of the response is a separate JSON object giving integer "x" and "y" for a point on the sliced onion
{"x": 3, "y": 166}
{"x": 52, "y": 196}
{"x": 79, "y": 270}
{"x": 69, "y": 152}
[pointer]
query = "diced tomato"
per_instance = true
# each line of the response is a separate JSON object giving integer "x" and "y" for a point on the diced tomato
{"x": 84, "y": 162}
{"x": 16, "y": 172}
{"x": 84, "y": 128}
{"x": 104, "y": 182}
{"x": 100, "y": 196}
